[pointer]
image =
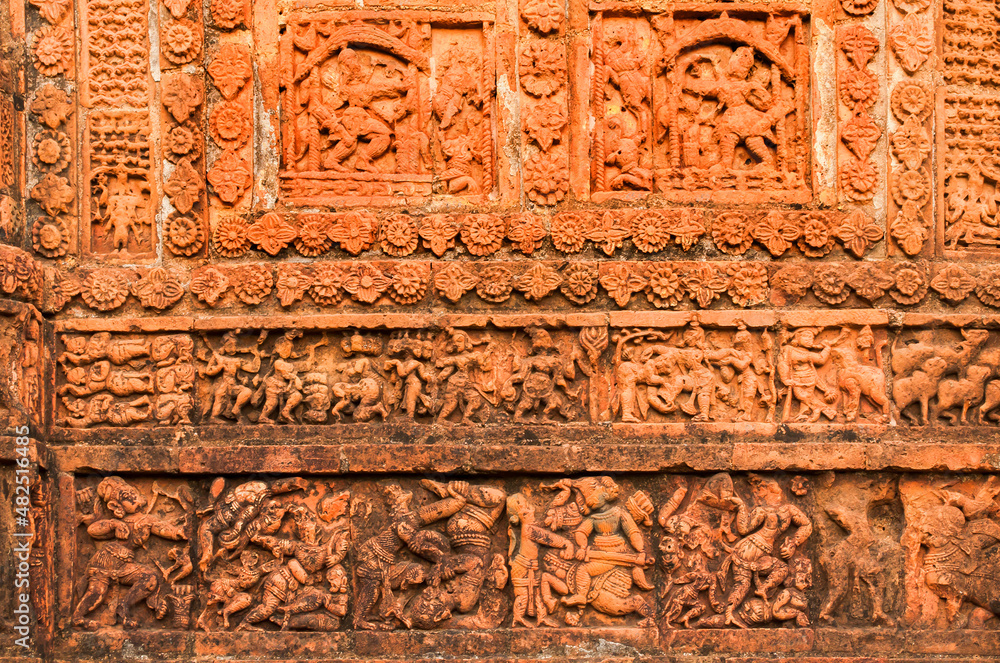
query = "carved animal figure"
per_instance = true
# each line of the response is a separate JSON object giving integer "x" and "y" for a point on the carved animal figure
{"x": 965, "y": 393}
{"x": 909, "y": 356}
{"x": 858, "y": 560}
{"x": 992, "y": 399}
{"x": 918, "y": 388}
{"x": 961, "y": 355}
{"x": 856, "y": 380}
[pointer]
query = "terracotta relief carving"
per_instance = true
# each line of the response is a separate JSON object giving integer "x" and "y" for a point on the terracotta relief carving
{"x": 723, "y": 369}
{"x": 586, "y": 559}
{"x": 116, "y": 53}
{"x": 860, "y": 549}
{"x": 967, "y": 218}
{"x": 121, "y": 381}
{"x": 52, "y": 216}
{"x": 950, "y": 536}
{"x": 183, "y": 139}
{"x": 947, "y": 376}
{"x": 859, "y": 134}
{"x": 828, "y": 373}
{"x": 717, "y": 547}
{"x": 437, "y": 565}
{"x": 694, "y": 374}
{"x": 157, "y": 553}
{"x": 730, "y": 94}
{"x": 544, "y": 98}
{"x": 118, "y": 164}
{"x": 22, "y": 381}
{"x": 362, "y": 117}
{"x": 451, "y": 376}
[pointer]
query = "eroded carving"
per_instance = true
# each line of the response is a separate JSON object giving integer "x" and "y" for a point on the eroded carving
{"x": 717, "y": 546}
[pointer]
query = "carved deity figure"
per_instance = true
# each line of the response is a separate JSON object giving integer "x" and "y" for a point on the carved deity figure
{"x": 125, "y": 209}
{"x": 227, "y": 518}
{"x": 117, "y": 517}
{"x": 363, "y": 129}
{"x": 951, "y": 541}
{"x": 598, "y": 552}
{"x": 626, "y": 134}
{"x": 720, "y": 548}
{"x": 380, "y": 567}
{"x": 748, "y": 110}
{"x": 458, "y": 106}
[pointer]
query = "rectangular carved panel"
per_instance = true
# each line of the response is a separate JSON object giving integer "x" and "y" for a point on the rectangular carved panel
{"x": 641, "y": 555}
{"x": 364, "y": 116}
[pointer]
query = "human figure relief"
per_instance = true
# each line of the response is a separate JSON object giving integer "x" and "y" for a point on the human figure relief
{"x": 760, "y": 528}
{"x": 458, "y": 105}
{"x": 727, "y": 379}
{"x": 754, "y": 371}
{"x": 609, "y": 552}
{"x": 457, "y": 369}
{"x": 414, "y": 381}
{"x": 717, "y": 543}
{"x": 227, "y": 518}
{"x": 544, "y": 377}
{"x": 117, "y": 515}
{"x": 363, "y": 129}
{"x": 468, "y": 566}
{"x": 971, "y": 211}
{"x": 102, "y": 345}
{"x": 103, "y": 409}
{"x": 359, "y": 392}
{"x": 124, "y": 205}
{"x": 626, "y": 134}
{"x": 857, "y": 378}
{"x": 692, "y": 542}
{"x": 798, "y": 365}
{"x": 295, "y": 587}
{"x": 951, "y": 540}
{"x": 282, "y": 382}
{"x": 748, "y": 109}
{"x": 379, "y": 566}
{"x": 526, "y": 575}
{"x": 99, "y": 376}
{"x": 230, "y": 393}
{"x": 230, "y": 589}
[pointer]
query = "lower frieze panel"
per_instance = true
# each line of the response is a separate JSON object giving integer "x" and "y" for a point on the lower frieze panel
{"x": 372, "y": 566}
